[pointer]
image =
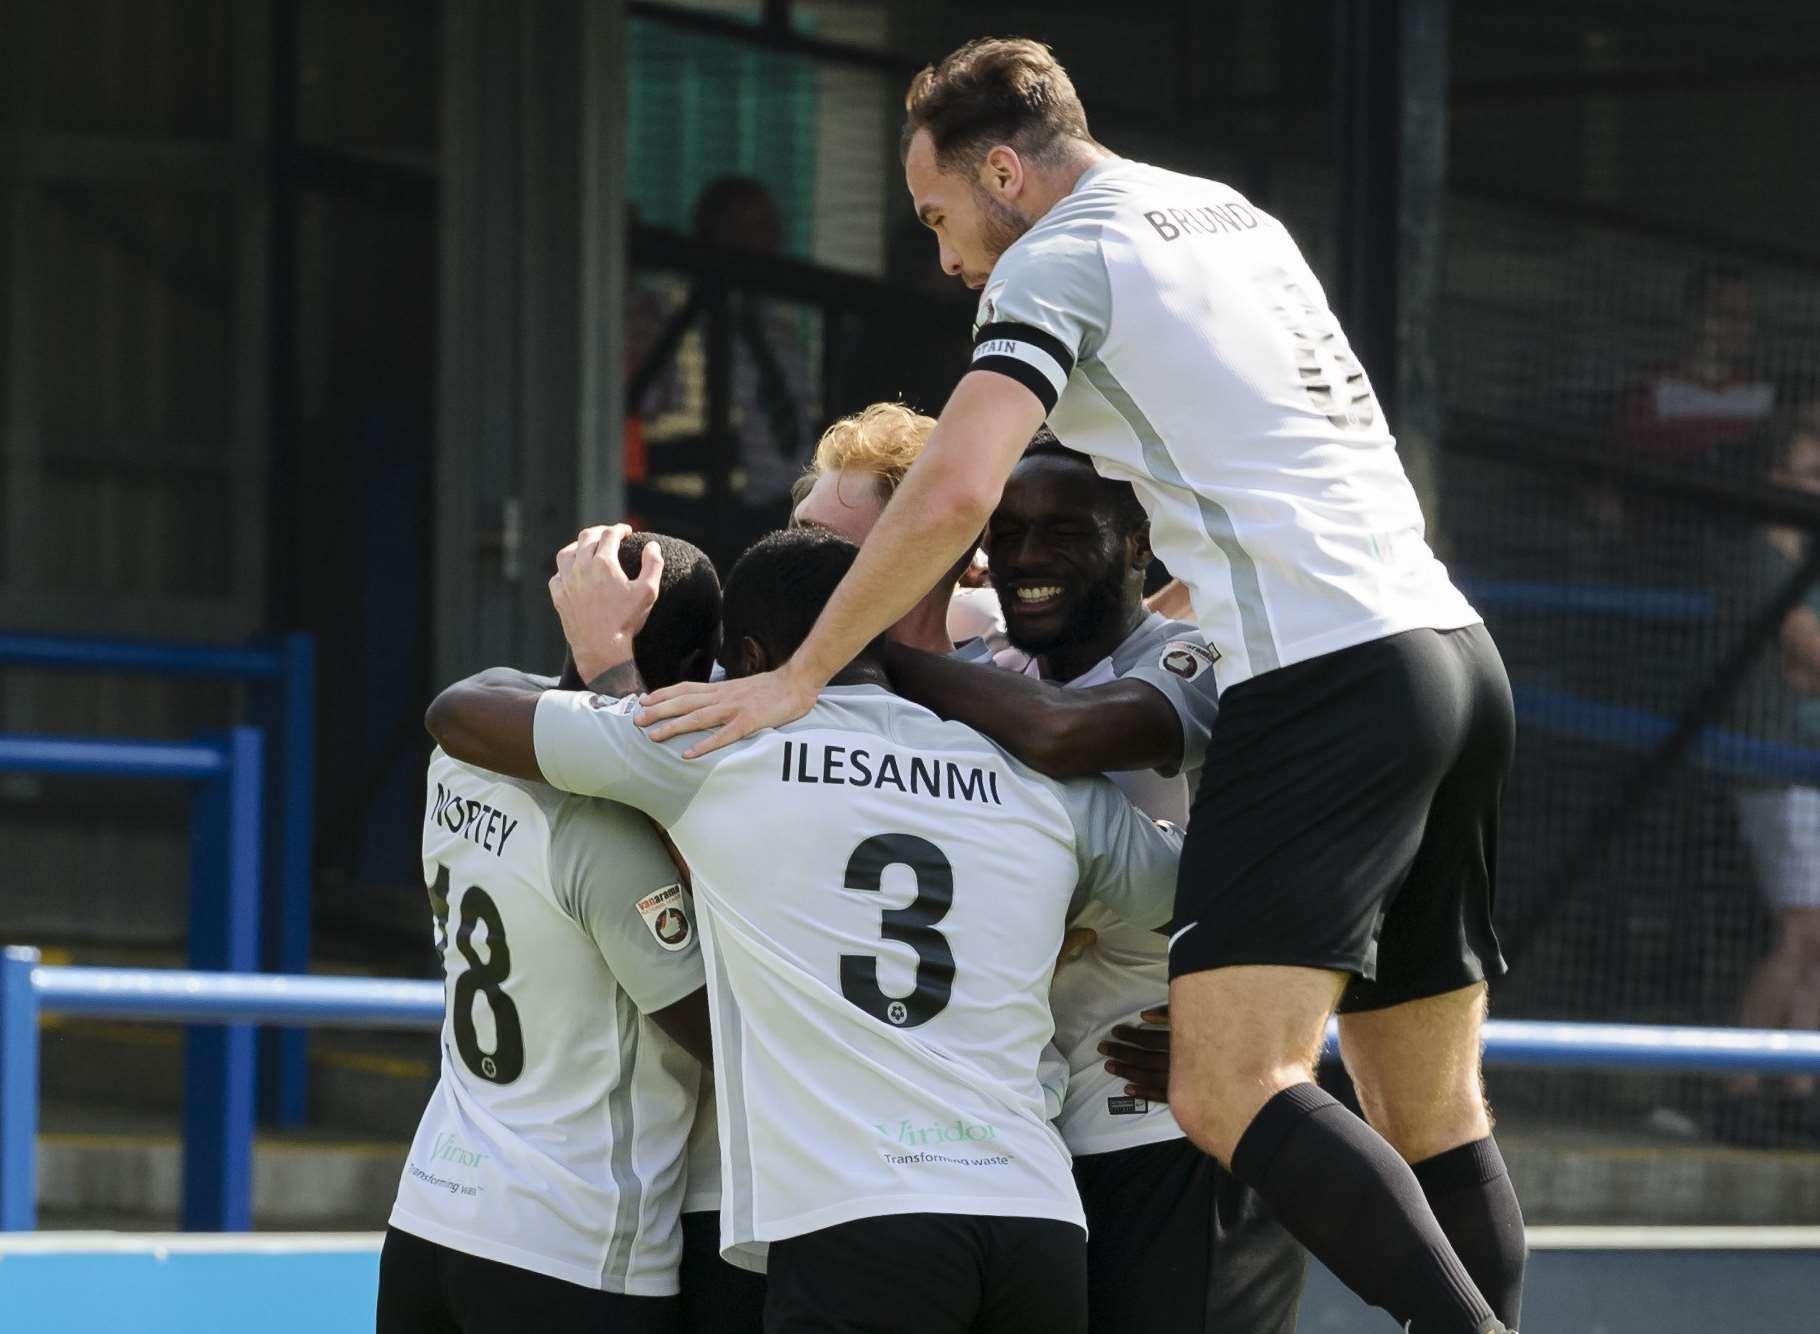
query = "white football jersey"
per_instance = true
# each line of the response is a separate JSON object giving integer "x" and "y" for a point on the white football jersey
{"x": 1126, "y": 970}
{"x": 1174, "y": 333}
{"x": 701, "y": 1194}
{"x": 882, "y": 895}
{"x": 554, "y": 1138}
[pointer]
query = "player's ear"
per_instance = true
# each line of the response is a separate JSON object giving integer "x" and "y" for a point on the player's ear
{"x": 697, "y": 664}
{"x": 1137, "y": 548}
{"x": 1003, "y": 171}
{"x": 751, "y": 658}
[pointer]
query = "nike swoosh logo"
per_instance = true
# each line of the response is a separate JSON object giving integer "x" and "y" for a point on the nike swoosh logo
{"x": 1179, "y": 934}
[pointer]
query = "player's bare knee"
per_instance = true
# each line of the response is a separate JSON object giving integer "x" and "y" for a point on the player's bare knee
{"x": 1422, "y": 1126}
{"x": 1216, "y": 1111}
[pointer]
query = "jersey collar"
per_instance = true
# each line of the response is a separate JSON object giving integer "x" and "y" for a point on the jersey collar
{"x": 1098, "y": 169}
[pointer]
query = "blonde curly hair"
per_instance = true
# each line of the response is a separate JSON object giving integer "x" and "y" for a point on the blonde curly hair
{"x": 883, "y": 439}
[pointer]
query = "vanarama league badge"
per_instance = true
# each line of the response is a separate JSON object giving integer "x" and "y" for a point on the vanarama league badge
{"x": 1186, "y": 659}
{"x": 666, "y": 915}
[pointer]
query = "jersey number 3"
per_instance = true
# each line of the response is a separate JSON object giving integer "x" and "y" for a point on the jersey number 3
{"x": 507, "y": 1059}
{"x": 913, "y": 926}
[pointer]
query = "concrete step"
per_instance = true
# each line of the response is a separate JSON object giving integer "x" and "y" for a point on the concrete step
{"x": 135, "y": 1182}
{"x": 1565, "y": 1178}
{"x": 103, "y": 1174}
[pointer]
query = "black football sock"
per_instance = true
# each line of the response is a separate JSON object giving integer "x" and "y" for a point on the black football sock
{"x": 1347, "y": 1196}
{"x": 1470, "y": 1192}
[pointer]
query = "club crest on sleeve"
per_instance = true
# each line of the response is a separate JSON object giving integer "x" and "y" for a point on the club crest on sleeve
{"x": 1185, "y": 659}
{"x": 666, "y": 917}
{"x": 611, "y": 704}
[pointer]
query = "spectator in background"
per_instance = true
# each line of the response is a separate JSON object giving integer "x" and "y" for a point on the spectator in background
{"x": 1709, "y": 404}
{"x": 770, "y": 374}
{"x": 770, "y": 379}
{"x": 1780, "y": 823}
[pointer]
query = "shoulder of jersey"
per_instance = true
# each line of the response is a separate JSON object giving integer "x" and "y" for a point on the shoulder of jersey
{"x": 894, "y": 718}
{"x": 1176, "y": 647}
{"x": 1106, "y": 200}
{"x": 441, "y": 762}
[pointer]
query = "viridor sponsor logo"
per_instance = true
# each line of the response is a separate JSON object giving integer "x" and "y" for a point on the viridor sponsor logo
{"x": 957, "y": 1131}
{"x": 448, "y": 1149}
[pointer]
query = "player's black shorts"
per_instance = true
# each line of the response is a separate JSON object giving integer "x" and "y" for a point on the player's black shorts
{"x": 1178, "y": 1245}
{"x": 717, "y": 1297}
{"x": 425, "y": 1288}
{"x": 1348, "y": 819}
{"x": 930, "y": 1274}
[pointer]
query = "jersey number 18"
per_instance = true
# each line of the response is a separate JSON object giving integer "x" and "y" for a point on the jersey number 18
{"x": 484, "y": 976}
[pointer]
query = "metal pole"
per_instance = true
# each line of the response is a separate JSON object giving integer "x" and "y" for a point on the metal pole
{"x": 722, "y": 453}
{"x": 291, "y": 831}
{"x": 18, "y": 1090}
{"x": 1367, "y": 110}
{"x": 1420, "y": 246}
{"x": 600, "y": 456}
{"x": 219, "y": 1069}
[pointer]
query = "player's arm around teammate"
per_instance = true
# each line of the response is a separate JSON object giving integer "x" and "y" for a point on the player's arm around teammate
{"x": 1068, "y": 552}
{"x": 545, "y": 1182}
{"x": 488, "y": 720}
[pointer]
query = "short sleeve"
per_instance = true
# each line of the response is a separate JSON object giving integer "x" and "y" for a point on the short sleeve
{"x": 1045, "y": 308}
{"x": 588, "y": 744}
{"x": 1127, "y": 860}
{"x": 1178, "y": 663}
{"x": 614, "y": 876}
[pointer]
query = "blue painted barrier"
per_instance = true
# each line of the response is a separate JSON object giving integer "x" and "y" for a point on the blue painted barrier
{"x": 283, "y": 676}
{"x": 91, "y": 1283}
{"x": 1644, "y": 604}
{"x": 1583, "y": 1280}
{"x": 28, "y": 988}
{"x": 226, "y": 773}
{"x": 1563, "y": 713}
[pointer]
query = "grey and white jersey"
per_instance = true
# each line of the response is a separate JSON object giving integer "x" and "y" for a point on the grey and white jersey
{"x": 554, "y": 1138}
{"x": 704, "y": 1137}
{"x": 1126, "y": 970}
{"x": 1174, "y": 333}
{"x": 883, "y": 895}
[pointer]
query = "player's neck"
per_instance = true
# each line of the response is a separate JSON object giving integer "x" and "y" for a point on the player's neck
{"x": 1073, "y": 660}
{"x": 925, "y": 626}
{"x": 1052, "y": 185}
{"x": 862, "y": 671}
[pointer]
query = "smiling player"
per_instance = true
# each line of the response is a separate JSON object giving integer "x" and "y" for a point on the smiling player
{"x": 1176, "y": 1245}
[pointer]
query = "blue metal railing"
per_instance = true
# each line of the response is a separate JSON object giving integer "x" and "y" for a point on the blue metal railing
{"x": 283, "y": 676}
{"x": 218, "y": 1124}
{"x": 1642, "y": 604}
{"x": 28, "y": 989}
{"x": 225, "y": 771}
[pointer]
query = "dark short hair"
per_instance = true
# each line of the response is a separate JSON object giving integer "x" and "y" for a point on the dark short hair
{"x": 686, "y": 619}
{"x": 1127, "y": 510}
{"x": 778, "y": 588}
{"x": 994, "y": 90}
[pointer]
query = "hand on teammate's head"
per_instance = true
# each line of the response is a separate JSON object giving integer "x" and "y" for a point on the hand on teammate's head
{"x": 602, "y": 608}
